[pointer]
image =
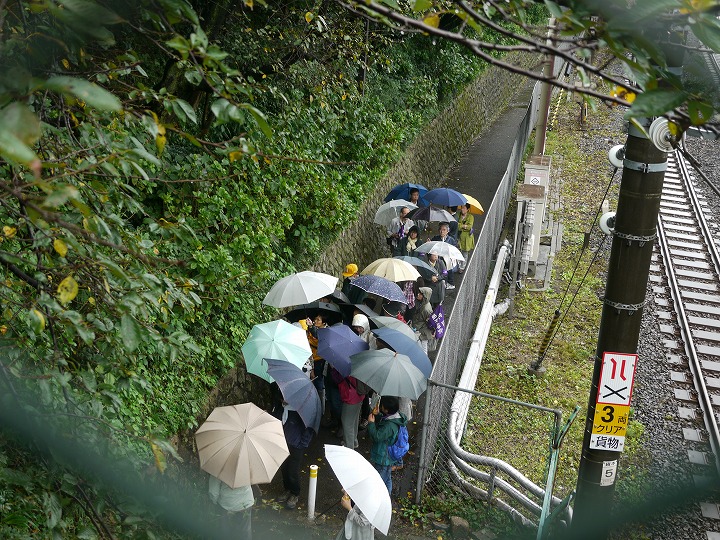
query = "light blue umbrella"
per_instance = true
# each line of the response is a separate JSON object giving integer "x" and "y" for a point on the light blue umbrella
{"x": 275, "y": 339}
{"x": 402, "y": 344}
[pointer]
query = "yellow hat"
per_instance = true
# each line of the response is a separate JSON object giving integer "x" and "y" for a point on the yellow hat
{"x": 350, "y": 270}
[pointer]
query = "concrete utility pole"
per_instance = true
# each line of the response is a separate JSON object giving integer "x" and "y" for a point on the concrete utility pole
{"x": 633, "y": 238}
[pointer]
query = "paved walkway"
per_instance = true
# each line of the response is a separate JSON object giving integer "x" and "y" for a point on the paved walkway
{"x": 478, "y": 172}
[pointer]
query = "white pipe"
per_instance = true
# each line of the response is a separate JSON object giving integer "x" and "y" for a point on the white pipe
{"x": 312, "y": 490}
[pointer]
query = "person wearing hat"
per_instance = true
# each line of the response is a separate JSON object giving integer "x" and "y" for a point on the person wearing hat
{"x": 354, "y": 294}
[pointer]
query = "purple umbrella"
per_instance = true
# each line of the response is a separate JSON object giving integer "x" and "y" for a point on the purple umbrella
{"x": 402, "y": 344}
{"x": 337, "y": 343}
{"x": 297, "y": 390}
{"x": 445, "y": 197}
{"x": 380, "y": 286}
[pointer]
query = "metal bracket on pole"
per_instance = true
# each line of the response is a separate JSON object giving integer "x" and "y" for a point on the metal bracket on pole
{"x": 644, "y": 167}
{"x": 632, "y": 237}
{"x": 630, "y": 308}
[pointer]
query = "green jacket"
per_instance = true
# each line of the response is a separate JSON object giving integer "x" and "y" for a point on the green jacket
{"x": 383, "y": 434}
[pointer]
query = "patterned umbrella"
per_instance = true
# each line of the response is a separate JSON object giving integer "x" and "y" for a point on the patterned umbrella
{"x": 403, "y": 192}
{"x": 381, "y": 287}
{"x": 445, "y": 197}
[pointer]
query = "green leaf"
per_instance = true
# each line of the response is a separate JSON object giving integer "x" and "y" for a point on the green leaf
{"x": 21, "y": 122}
{"x": 53, "y": 510}
{"x": 183, "y": 110}
{"x": 699, "y": 112}
{"x": 422, "y": 5}
{"x": 13, "y": 149}
{"x": 707, "y": 30}
{"x": 391, "y": 3}
{"x": 88, "y": 92}
{"x": 656, "y": 102}
{"x": 130, "y": 332}
{"x": 260, "y": 119}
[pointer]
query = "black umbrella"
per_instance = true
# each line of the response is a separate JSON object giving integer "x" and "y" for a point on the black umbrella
{"x": 331, "y": 311}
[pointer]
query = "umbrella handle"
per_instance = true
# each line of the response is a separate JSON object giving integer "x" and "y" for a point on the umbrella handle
{"x": 328, "y": 508}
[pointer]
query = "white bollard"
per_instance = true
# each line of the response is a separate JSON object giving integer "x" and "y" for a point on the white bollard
{"x": 312, "y": 490}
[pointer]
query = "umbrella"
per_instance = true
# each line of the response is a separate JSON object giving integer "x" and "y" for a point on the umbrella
{"x": 275, "y": 339}
{"x": 381, "y": 287}
{"x": 300, "y": 288}
{"x": 331, "y": 311}
{"x": 417, "y": 263}
{"x": 349, "y": 310}
{"x": 298, "y": 391}
{"x": 392, "y": 269}
{"x": 338, "y": 297}
{"x": 362, "y": 483}
{"x": 403, "y": 192}
{"x": 390, "y": 210}
{"x": 241, "y": 445}
{"x": 431, "y": 213}
{"x": 382, "y": 321}
{"x": 475, "y": 206}
{"x": 337, "y": 343}
{"x": 388, "y": 373}
{"x": 442, "y": 249}
{"x": 445, "y": 197}
{"x": 402, "y": 344}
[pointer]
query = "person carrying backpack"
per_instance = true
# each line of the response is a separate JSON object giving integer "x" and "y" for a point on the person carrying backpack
{"x": 383, "y": 430}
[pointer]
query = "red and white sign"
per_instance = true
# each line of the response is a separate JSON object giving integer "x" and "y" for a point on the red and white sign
{"x": 616, "y": 378}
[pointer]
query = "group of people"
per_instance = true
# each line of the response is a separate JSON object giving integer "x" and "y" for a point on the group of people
{"x": 349, "y": 405}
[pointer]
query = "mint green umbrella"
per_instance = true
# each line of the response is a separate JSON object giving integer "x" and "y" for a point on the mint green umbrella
{"x": 276, "y": 339}
{"x": 388, "y": 373}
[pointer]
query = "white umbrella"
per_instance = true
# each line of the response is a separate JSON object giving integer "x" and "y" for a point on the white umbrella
{"x": 362, "y": 483}
{"x": 442, "y": 249}
{"x": 390, "y": 210}
{"x": 392, "y": 269}
{"x": 241, "y": 445}
{"x": 300, "y": 288}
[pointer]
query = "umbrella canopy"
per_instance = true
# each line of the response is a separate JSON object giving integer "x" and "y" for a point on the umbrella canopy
{"x": 298, "y": 391}
{"x": 388, "y": 373}
{"x": 391, "y": 322}
{"x": 403, "y": 344}
{"x": 390, "y": 210}
{"x": 431, "y": 213}
{"x": 475, "y": 206}
{"x": 362, "y": 483}
{"x": 442, "y": 249}
{"x": 403, "y": 192}
{"x": 337, "y": 343}
{"x": 275, "y": 339}
{"x": 300, "y": 288}
{"x": 445, "y": 197}
{"x": 381, "y": 287}
{"x": 417, "y": 263}
{"x": 392, "y": 269}
{"x": 241, "y": 445}
{"x": 338, "y": 297}
{"x": 331, "y": 311}
{"x": 349, "y": 311}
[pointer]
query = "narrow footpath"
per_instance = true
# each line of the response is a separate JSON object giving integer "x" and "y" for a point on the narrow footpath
{"x": 478, "y": 172}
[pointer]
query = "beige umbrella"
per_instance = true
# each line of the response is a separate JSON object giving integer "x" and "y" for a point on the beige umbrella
{"x": 392, "y": 269}
{"x": 241, "y": 445}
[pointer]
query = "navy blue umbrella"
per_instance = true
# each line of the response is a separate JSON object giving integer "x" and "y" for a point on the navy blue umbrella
{"x": 400, "y": 343}
{"x": 445, "y": 197}
{"x": 380, "y": 286}
{"x": 337, "y": 343}
{"x": 403, "y": 192}
{"x": 297, "y": 390}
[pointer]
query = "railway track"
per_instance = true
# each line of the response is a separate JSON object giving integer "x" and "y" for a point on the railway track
{"x": 686, "y": 282}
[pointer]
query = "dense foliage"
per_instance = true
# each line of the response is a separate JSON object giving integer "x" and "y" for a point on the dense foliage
{"x": 162, "y": 164}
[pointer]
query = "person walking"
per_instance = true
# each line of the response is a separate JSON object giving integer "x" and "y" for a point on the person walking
{"x": 237, "y": 503}
{"x": 383, "y": 427}
{"x": 467, "y": 235}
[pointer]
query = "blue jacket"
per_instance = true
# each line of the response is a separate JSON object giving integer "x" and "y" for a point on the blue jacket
{"x": 296, "y": 434}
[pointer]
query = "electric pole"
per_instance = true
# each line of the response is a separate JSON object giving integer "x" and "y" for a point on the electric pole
{"x": 633, "y": 237}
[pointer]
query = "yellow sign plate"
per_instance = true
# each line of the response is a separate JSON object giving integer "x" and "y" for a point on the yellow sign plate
{"x": 610, "y": 419}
